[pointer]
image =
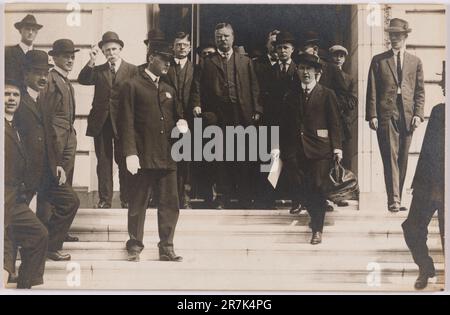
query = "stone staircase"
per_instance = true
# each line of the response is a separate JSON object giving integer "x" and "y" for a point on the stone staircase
{"x": 246, "y": 250}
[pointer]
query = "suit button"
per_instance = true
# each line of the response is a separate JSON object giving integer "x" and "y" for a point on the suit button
{"x": 301, "y": 133}
{"x": 161, "y": 132}
{"x": 162, "y": 118}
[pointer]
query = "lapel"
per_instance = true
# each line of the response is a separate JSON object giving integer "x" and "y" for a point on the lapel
{"x": 121, "y": 72}
{"x": 217, "y": 61}
{"x": 314, "y": 94}
{"x": 406, "y": 63}
{"x": 20, "y": 51}
{"x": 172, "y": 75}
{"x": 189, "y": 71}
{"x": 106, "y": 73}
{"x": 237, "y": 66}
{"x": 60, "y": 84}
{"x": 10, "y": 132}
{"x": 32, "y": 106}
{"x": 391, "y": 63}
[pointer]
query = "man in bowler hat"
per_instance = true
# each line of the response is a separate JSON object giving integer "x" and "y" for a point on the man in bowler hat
{"x": 21, "y": 228}
{"x": 394, "y": 107}
{"x": 58, "y": 110}
{"x": 108, "y": 78}
{"x": 15, "y": 55}
{"x": 310, "y": 139}
{"x": 149, "y": 111}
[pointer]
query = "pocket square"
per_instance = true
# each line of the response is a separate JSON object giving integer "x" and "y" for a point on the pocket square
{"x": 168, "y": 95}
{"x": 323, "y": 133}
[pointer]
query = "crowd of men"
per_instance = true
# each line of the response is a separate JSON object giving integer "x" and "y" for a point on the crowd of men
{"x": 135, "y": 108}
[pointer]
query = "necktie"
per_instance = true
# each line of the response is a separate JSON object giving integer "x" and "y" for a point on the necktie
{"x": 284, "y": 68}
{"x": 156, "y": 82}
{"x": 113, "y": 72}
{"x": 399, "y": 69}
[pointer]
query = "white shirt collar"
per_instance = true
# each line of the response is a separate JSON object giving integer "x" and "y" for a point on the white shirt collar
{"x": 401, "y": 50}
{"x": 63, "y": 72}
{"x": 151, "y": 75}
{"x": 228, "y": 53}
{"x": 309, "y": 86}
{"x": 34, "y": 94}
{"x": 25, "y": 48}
{"x": 116, "y": 64}
{"x": 182, "y": 62}
{"x": 288, "y": 62}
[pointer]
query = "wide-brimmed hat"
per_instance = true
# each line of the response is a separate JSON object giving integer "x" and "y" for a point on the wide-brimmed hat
{"x": 337, "y": 48}
{"x": 155, "y": 35}
{"x": 398, "y": 26}
{"x": 283, "y": 38}
{"x": 62, "y": 46}
{"x": 37, "y": 59}
{"x": 311, "y": 60}
{"x": 162, "y": 49}
{"x": 110, "y": 37}
{"x": 28, "y": 20}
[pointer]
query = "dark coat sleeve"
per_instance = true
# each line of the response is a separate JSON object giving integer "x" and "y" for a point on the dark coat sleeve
{"x": 419, "y": 92}
{"x": 126, "y": 121}
{"x": 334, "y": 121}
{"x": 88, "y": 75}
{"x": 371, "y": 96}
{"x": 257, "y": 107}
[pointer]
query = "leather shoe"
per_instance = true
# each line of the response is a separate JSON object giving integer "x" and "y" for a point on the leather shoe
{"x": 133, "y": 256}
{"x": 70, "y": 238}
{"x": 316, "y": 238}
{"x": 167, "y": 254}
{"x": 342, "y": 203}
{"x": 296, "y": 207}
{"x": 395, "y": 207}
{"x": 124, "y": 205}
{"x": 329, "y": 208}
{"x": 58, "y": 256}
{"x": 403, "y": 209}
{"x": 103, "y": 205}
{"x": 186, "y": 205}
{"x": 422, "y": 280}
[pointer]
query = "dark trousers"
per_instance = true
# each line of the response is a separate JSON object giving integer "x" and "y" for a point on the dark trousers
{"x": 415, "y": 229}
{"x": 184, "y": 174}
{"x": 28, "y": 233}
{"x": 57, "y": 207}
{"x": 162, "y": 184}
{"x": 394, "y": 142}
{"x": 306, "y": 177}
{"x": 105, "y": 143}
{"x": 69, "y": 154}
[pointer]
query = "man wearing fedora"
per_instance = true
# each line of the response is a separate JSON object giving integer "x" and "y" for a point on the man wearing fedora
{"x": 428, "y": 193}
{"x": 180, "y": 76}
{"x": 149, "y": 111}
{"x": 21, "y": 228}
{"x": 227, "y": 86}
{"x": 58, "y": 110}
{"x": 15, "y": 55}
{"x": 310, "y": 139}
{"x": 108, "y": 78}
{"x": 394, "y": 107}
{"x": 153, "y": 36}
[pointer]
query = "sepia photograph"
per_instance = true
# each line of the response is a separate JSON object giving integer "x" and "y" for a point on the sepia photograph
{"x": 223, "y": 147}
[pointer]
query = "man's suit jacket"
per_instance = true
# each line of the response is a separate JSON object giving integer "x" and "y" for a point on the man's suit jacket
{"x": 429, "y": 178}
{"x": 279, "y": 84}
{"x": 15, "y": 170}
{"x": 148, "y": 115}
{"x": 106, "y": 96}
{"x": 315, "y": 123}
{"x": 209, "y": 86}
{"x": 58, "y": 120}
{"x": 346, "y": 93}
{"x": 14, "y": 63}
{"x": 30, "y": 124}
{"x": 172, "y": 79}
{"x": 383, "y": 83}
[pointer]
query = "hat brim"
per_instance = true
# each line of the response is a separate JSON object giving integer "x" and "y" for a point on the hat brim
{"x": 292, "y": 42}
{"x": 19, "y": 25}
{"x": 339, "y": 50}
{"x": 163, "y": 54}
{"x": 316, "y": 65}
{"x": 39, "y": 67}
{"x": 118, "y": 41}
{"x": 56, "y": 52}
{"x": 397, "y": 30}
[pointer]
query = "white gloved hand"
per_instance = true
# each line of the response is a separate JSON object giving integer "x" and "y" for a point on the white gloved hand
{"x": 133, "y": 164}
{"x": 182, "y": 125}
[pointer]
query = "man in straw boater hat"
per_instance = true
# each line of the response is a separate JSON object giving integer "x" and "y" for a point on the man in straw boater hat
{"x": 58, "y": 110}
{"x": 21, "y": 228}
{"x": 108, "y": 79}
{"x": 428, "y": 193}
{"x": 149, "y": 111}
{"x": 310, "y": 139}
{"x": 15, "y": 55}
{"x": 395, "y": 107}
